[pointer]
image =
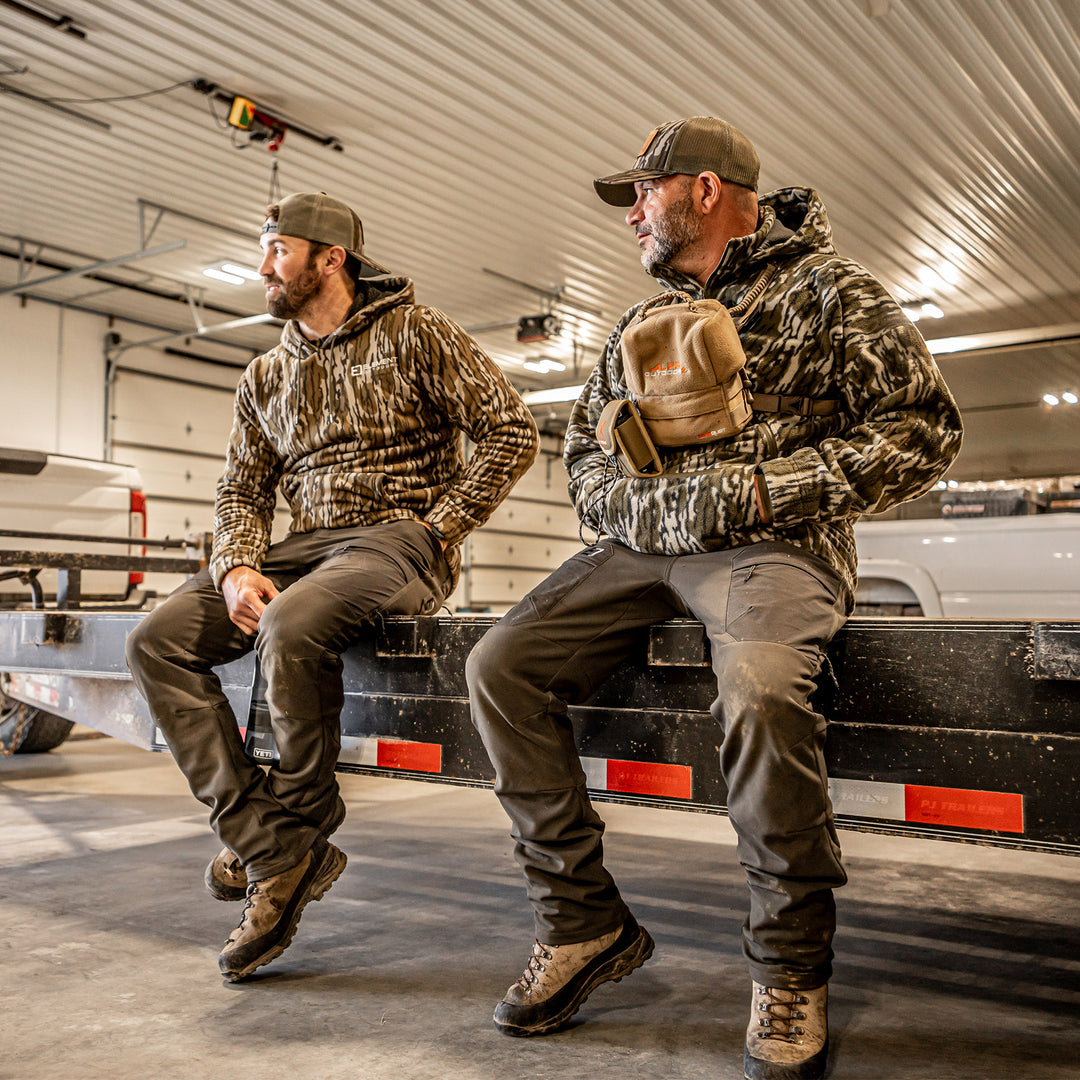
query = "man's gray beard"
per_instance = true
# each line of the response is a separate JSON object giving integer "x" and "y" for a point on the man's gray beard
{"x": 674, "y": 231}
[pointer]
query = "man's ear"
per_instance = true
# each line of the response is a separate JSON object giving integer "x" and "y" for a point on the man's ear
{"x": 333, "y": 260}
{"x": 709, "y": 187}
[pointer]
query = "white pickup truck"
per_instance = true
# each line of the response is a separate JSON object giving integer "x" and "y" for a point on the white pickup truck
{"x": 43, "y": 494}
{"x": 1016, "y": 567}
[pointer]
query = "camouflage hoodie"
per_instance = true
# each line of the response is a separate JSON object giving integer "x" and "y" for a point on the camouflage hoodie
{"x": 825, "y": 329}
{"x": 363, "y": 426}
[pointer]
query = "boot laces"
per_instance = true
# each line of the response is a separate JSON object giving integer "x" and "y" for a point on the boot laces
{"x": 535, "y": 967}
{"x": 781, "y": 1014}
{"x": 249, "y": 903}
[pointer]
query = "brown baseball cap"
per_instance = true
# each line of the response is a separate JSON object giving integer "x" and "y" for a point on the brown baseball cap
{"x": 695, "y": 145}
{"x": 314, "y": 216}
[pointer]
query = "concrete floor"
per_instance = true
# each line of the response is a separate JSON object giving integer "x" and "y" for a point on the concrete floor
{"x": 954, "y": 961}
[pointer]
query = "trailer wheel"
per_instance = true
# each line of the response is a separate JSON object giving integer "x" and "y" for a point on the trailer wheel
{"x": 25, "y": 729}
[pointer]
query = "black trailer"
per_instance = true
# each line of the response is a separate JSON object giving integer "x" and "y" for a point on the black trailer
{"x": 961, "y": 730}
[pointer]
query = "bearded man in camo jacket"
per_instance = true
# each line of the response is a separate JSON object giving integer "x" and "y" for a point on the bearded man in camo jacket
{"x": 751, "y": 535}
{"x": 357, "y": 415}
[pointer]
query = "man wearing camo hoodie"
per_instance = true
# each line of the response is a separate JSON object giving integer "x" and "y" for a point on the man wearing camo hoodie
{"x": 357, "y": 415}
{"x": 752, "y": 536}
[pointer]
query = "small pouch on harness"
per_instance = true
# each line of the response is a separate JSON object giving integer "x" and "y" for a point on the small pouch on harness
{"x": 622, "y": 433}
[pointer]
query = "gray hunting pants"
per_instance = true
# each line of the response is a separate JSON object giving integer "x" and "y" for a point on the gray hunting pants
{"x": 768, "y": 610}
{"x": 331, "y": 583}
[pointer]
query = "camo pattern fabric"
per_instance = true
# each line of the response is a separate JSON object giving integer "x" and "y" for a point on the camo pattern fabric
{"x": 824, "y": 328}
{"x": 364, "y": 426}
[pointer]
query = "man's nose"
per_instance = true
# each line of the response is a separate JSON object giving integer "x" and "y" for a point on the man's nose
{"x": 635, "y": 214}
{"x": 266, "y": 267}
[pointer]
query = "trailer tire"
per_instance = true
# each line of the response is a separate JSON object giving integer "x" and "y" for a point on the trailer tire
{"x": 25, "y": 729}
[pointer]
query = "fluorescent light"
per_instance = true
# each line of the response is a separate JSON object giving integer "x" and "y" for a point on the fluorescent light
{"x": 222, "y": 275}
{"x": 913, "y": 313}
{"x": 241, "y": 271}
{"x": 553, "y": 396}
{"x": 1051, "y": 399}
{"x": 1000, "y": 339}
{"x": 932, "y": 311}
{"x": 544, "y": 365}
{"x": 1069, "y": 398}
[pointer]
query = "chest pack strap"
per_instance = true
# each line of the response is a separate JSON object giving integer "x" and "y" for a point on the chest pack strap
{"x": 794, "y": 403}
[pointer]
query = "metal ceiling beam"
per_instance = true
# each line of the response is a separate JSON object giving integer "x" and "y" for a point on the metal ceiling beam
{"x": 198, "y": 331}
{"x": 80, "y": 271}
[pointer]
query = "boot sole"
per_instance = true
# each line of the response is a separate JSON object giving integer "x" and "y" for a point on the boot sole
{"x": 812, "y": 1068}
{"x": 332, "y": 865}
{"x": 615, "y": 970}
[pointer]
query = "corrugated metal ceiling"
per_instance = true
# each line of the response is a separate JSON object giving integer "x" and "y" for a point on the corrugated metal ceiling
{"x": 940, "y": 133}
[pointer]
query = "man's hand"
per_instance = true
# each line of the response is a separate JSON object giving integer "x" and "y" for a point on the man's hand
{"x": 246, "y": 594}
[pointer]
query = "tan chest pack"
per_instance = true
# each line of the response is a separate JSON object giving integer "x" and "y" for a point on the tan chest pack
{"x": 684, "y": 365}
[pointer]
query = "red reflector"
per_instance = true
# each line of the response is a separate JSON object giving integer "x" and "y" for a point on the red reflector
{"x": 138, "y": 528}
{"x": 417, "y": 756}
{"x": 644, "y": 778}
{"x": 996, "y": 810}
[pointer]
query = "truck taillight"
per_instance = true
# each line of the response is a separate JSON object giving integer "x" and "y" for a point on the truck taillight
{"x": 137, "y": 528}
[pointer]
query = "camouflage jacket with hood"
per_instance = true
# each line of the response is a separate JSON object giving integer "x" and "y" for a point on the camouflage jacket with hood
{"x": 824, "y": 328}
{"x": 364, "y": 426}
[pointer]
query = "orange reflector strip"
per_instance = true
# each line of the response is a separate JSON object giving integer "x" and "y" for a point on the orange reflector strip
{"x": 996, "y": 810}
{"x": 646, "y": 778}
{"x": 416, "y": 756}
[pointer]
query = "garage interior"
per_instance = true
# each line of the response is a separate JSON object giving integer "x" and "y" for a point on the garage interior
{"x": 942, "y": 136}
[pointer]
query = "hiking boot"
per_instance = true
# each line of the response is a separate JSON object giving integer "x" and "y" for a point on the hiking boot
{"x": 788, "y": 1035}
{"x": 225, "y": 876}
{"x": 558, "y": 978}
{"x": 273, "y": 910}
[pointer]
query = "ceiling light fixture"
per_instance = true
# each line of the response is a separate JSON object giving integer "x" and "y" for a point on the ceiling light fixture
{"x": 218, "y": 274}
{"x": 241, "y": 271}
{"x": 543, "y": 365}
{"x": 553, "y": 396}
{"x": 922, "y": 309}
{"x": 232, "y": 273}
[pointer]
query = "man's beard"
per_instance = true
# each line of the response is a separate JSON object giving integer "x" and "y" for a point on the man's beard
{"x": 673, "y": 231}
{"x": 292, "y": 299}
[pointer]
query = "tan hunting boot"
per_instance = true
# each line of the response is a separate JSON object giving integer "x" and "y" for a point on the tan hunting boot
{"x": 558, "y": 978}
{"x": 273, "y": 909}
{"x": 788, "y": 1034}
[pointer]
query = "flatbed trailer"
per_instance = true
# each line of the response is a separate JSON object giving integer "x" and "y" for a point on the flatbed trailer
{"x": 951, "y": 729}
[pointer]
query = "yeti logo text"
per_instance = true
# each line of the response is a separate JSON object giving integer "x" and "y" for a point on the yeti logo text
{"x": 672, "y": 367}
{"x": 259, "y": 752}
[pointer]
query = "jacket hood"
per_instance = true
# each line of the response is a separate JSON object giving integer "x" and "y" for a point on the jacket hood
{"x": 791, "y": 222}
{"x": 799, "y": 224}
{"x": 373, "y": 297}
